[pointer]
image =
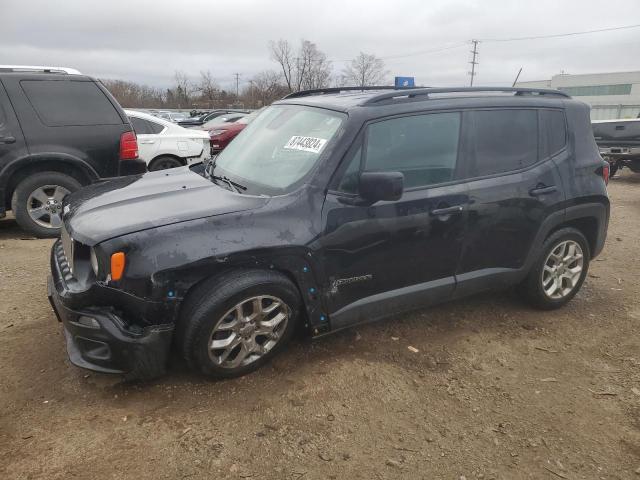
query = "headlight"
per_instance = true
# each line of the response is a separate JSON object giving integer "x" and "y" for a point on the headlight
{"x": 94, "y": 262}
{"x": 216, "y": 132}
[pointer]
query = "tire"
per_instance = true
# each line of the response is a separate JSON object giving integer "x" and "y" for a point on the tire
{"x": 29, "y": 202}
{"x": 533, "y": 286}
{"x": 213, "y": 305}
{"x": 613, "y": 169}
{"x": 164, "y": 162}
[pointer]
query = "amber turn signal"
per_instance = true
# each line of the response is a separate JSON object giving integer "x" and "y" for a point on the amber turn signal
{"x": 117, "y": 265}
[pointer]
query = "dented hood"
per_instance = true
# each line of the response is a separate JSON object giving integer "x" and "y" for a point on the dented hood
{"x": 129, "y": 204}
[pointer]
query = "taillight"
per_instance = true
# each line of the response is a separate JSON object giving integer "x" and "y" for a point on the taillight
{"x": 606, "y": 170}
{"x": 128, "y": 146}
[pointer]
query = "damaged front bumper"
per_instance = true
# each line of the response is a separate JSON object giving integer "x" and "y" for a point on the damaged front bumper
{"x": 98, "y": 337}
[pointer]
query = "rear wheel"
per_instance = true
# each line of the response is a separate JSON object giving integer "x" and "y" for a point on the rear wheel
{"x": 37, "y": 202}
{"x": 236, "y": 323}
{"x": 560, "y": 270}
{"x": 163, "y": 163}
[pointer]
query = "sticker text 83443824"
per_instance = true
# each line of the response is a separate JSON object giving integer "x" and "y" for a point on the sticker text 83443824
{"x": 306, "y": 144}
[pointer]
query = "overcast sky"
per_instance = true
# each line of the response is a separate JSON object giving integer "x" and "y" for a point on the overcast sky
{"x": 147, "y": 40}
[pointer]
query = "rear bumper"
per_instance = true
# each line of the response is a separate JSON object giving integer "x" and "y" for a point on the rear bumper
{"x": 99, "y": 339}
{"x": 132, "y": 167}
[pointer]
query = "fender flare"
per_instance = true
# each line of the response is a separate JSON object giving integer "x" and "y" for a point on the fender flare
{"x": 26, "y": 161}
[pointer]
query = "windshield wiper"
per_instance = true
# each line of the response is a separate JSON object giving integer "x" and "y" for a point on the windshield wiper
{"x": 235, "y": 186}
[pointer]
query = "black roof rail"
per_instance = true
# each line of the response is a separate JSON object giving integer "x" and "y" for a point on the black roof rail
{"x": 323, "y": 91}
{"x": 424, "y": 92}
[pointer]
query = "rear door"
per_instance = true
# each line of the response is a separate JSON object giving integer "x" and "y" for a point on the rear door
{"x": 514, "y": 186}
{"x": 395, "y": 255}
{"x": 12, "y": 144}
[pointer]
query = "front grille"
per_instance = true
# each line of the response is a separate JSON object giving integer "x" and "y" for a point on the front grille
{"x": 63, "y": 263}
{"x": 67, "y": 247}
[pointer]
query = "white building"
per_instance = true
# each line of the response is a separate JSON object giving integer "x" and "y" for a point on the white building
{"x": 611, "y": 95}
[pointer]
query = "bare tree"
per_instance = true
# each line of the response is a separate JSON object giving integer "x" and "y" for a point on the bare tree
{"x": 282, "y": 53}
{"x": 365, "y": 70}
{"x": 130, "y": 94}
{"x": 264, "y": 88}
{"x": 305, "y": 68}
{"x": 208, "y": 88}
{"x": 182, "y": 92}
{"x": 314, "y": 70}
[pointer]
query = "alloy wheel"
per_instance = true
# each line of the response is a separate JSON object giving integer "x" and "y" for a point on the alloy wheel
{"x": 562, "y": 269}
{"x": 248, "y": 331}
{"x": 44, "y": 205}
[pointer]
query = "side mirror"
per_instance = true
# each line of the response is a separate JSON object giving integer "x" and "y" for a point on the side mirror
{"x": 376, "y": 186}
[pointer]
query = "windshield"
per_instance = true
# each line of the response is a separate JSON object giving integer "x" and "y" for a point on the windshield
{"x": 275, "y": 151}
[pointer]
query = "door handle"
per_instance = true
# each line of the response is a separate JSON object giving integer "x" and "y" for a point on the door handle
{"x": 8, "y": 139}
{"x": 447, "y": 211}
{"x": 536, "y": 192}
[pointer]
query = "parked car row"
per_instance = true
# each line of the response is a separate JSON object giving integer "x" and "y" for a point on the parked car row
{"x": 61, "y": 130}
{"x": 168, "y": 115}
{"x": 204, "y": 118}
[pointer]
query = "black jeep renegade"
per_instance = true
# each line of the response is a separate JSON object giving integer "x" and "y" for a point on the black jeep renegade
{"x": 332, "y": 208}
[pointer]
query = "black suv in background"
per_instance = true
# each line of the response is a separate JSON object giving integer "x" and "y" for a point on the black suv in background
{"x": 59, "y": 130}
{"x": 331, "y": 208}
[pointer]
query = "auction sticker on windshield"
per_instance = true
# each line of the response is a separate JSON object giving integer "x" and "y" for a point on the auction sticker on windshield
{"x": 306, "y": 144}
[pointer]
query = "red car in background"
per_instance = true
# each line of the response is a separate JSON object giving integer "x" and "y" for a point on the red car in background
{"x": 220, "y": 137}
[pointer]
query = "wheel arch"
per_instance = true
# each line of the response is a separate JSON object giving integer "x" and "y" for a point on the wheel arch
{"x": 182, "y": 160}
{"x": 20, "y": 169}
{"x": 591, "y": 220}
{"x": 296, "y": 268}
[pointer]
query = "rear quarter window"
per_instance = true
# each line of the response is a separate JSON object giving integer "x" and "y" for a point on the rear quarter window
{"x": 556, "y": 130}
{"x": 65, "y": 103}
{"x": 503, "y": 140}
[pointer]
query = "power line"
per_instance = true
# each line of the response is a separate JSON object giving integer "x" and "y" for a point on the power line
{"x": 413, "y": 54}
{"x": 515, "y": 39}
{"x": 557, "y": 35}
{"x": 424, "y": 52}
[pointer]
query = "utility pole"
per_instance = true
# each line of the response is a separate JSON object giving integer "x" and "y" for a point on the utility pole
{"x": 237, "y": 75}
{"x": 473, "y": 61}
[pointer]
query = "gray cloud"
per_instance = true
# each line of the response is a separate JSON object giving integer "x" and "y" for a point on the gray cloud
{"x": 147, "y": 40}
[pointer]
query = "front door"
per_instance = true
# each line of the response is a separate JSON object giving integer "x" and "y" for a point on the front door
{"x": 395, "y": 255}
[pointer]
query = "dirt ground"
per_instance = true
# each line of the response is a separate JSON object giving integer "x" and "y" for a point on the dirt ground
{"x": 496, "y": 390}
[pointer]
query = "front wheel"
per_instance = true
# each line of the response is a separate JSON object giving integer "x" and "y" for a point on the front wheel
{"x": 37, "y": 202}
{"x": 232, "y": 325}
{"x": 560, "y": 270}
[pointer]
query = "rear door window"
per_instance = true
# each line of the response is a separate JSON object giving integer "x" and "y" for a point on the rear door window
{"x": 502, "y": 141}
{"x": 62, "y": 103}
{"x": 423, "y": 147}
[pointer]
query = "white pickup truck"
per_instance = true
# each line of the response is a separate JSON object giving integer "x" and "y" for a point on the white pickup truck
{"x": 619, "y": 142}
